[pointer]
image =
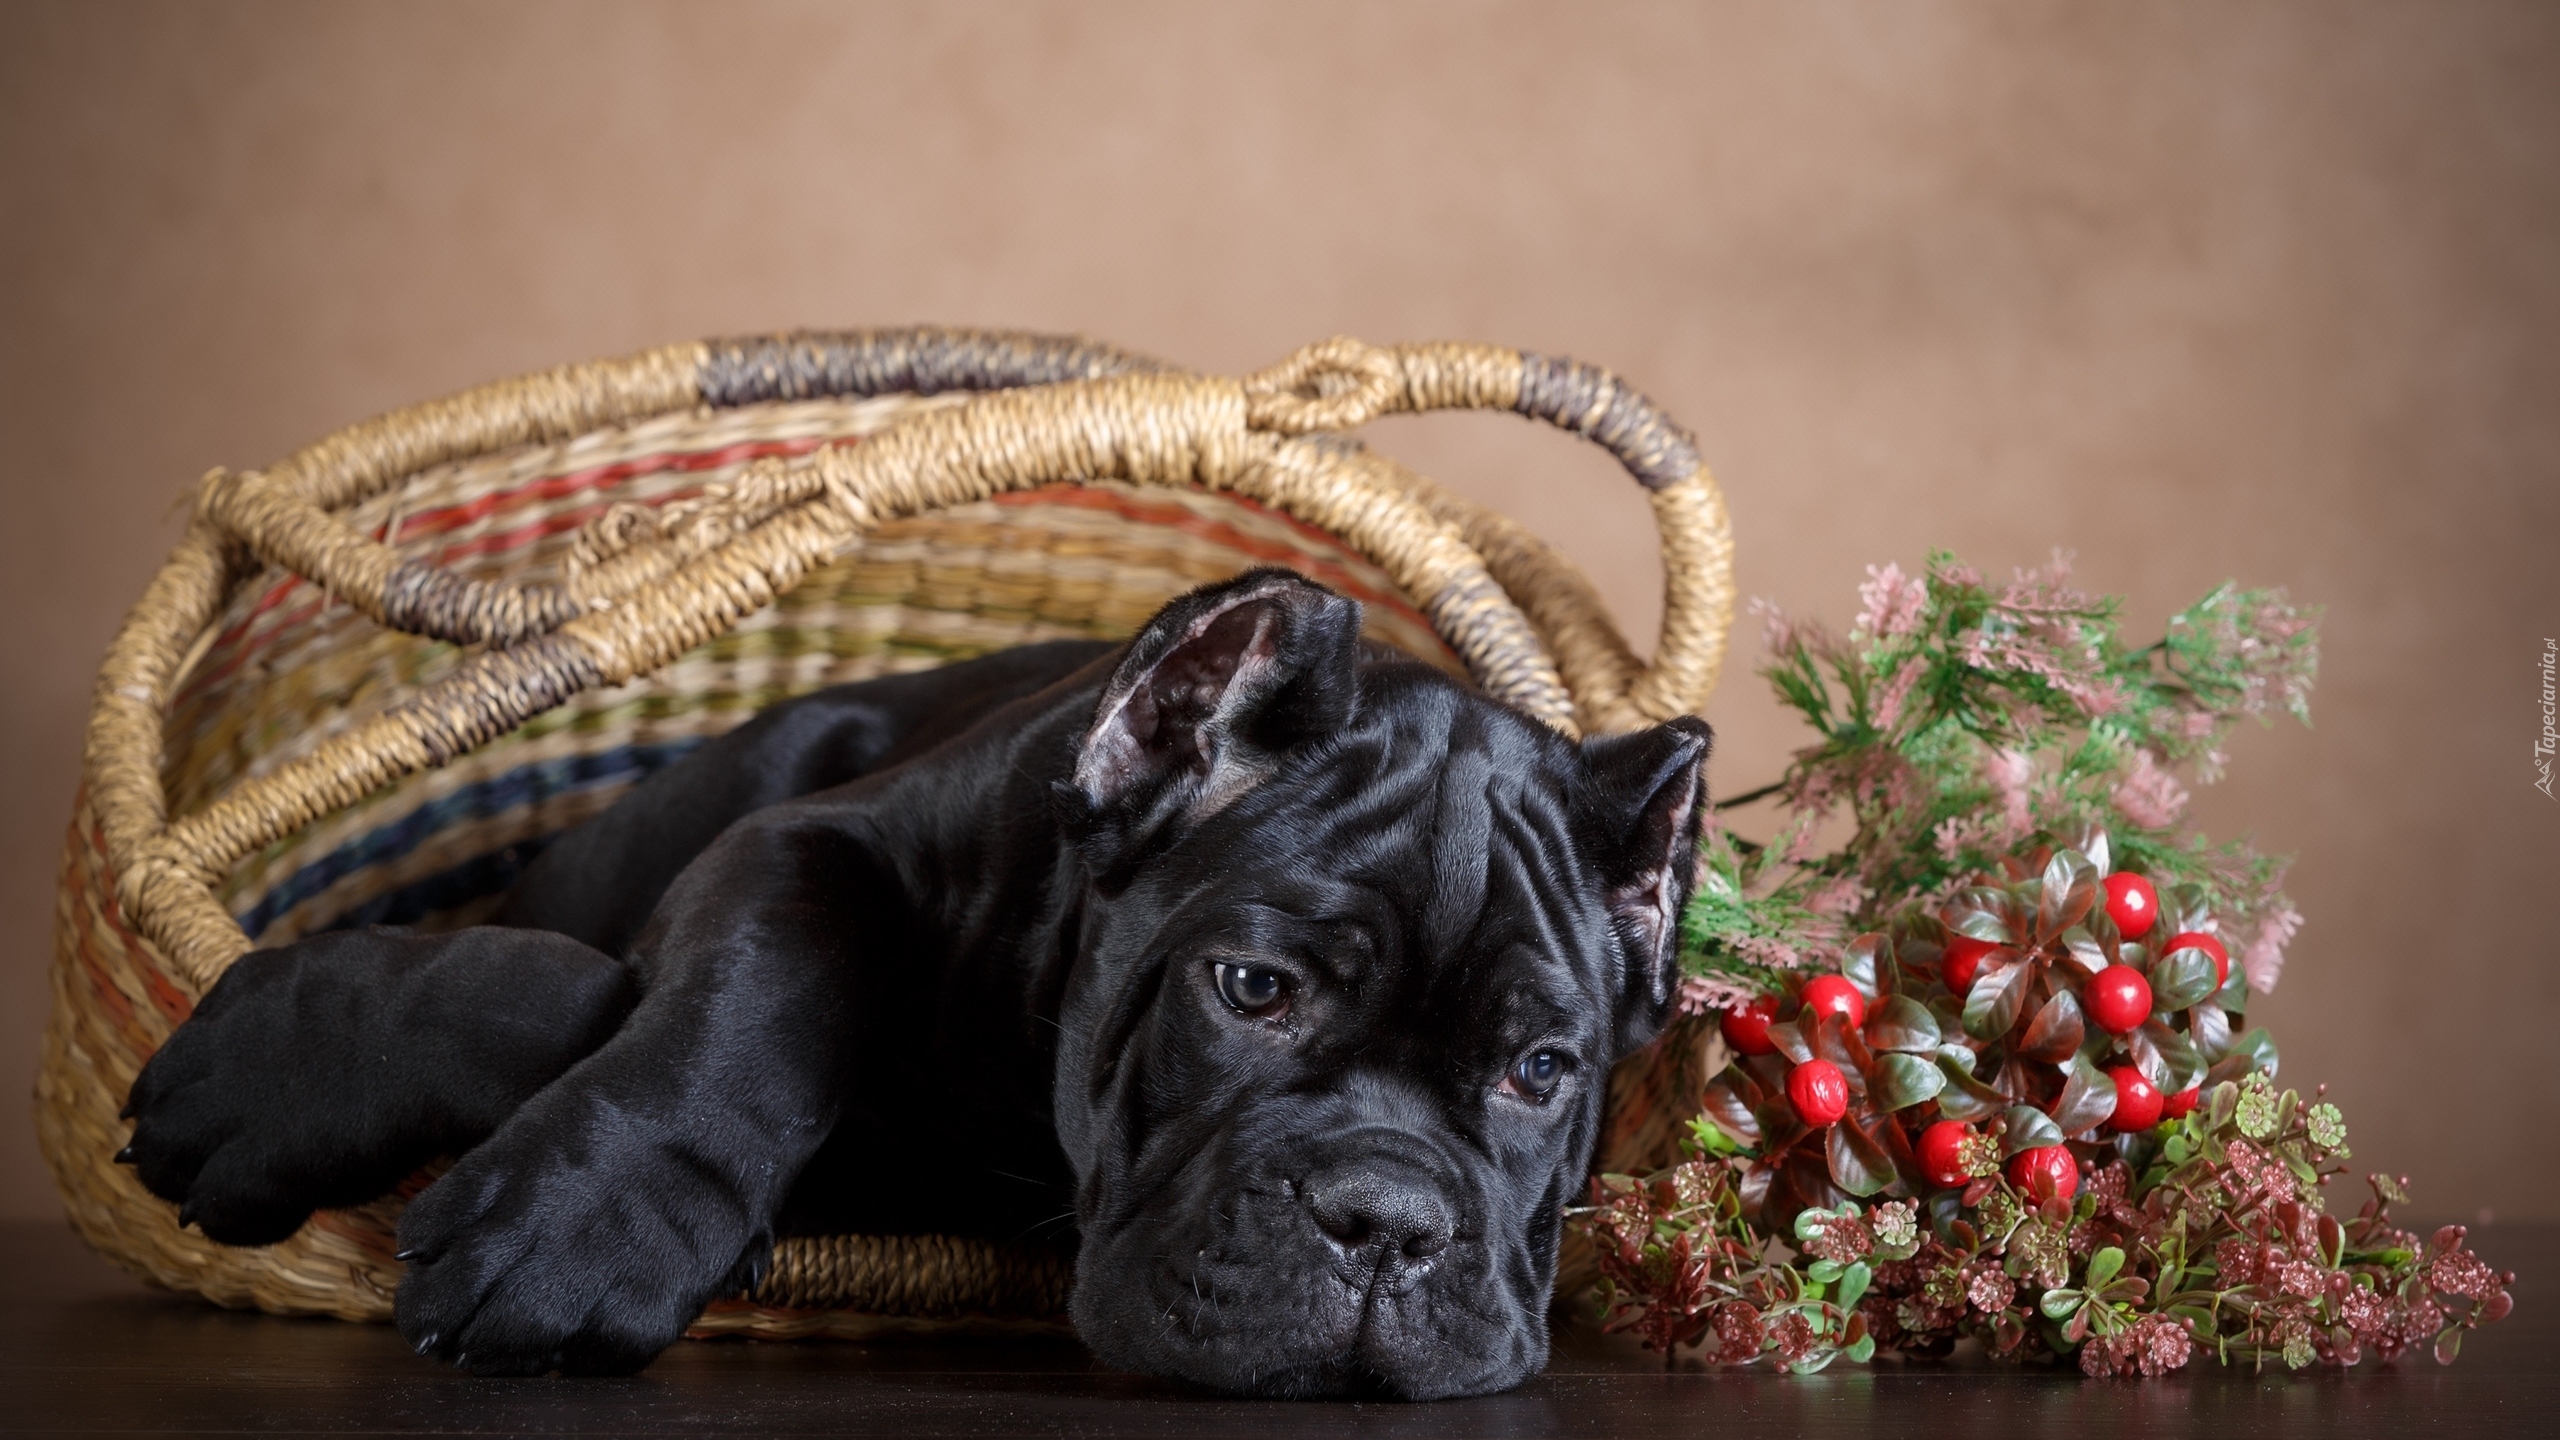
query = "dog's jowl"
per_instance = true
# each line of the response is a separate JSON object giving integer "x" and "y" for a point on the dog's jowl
{"x": 1287, "y": 973}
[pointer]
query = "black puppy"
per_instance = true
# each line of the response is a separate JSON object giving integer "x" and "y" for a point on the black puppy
{"x": 1294, "y": 970}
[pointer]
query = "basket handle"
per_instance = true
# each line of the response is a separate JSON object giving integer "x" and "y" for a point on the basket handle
{"x": 288, "y": 514}
{"x": 1341, "y": 383}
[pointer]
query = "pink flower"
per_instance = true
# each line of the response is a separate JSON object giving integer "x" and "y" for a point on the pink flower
{"x": 1839, "y": 895}
{"x": 1893, "y": 602}
{"x": 1897, "y": 690}
{"x": 2148, "y": 794}
{"x": 1777, "y": 632}
{"x": 2010, "y": 772}
{"x": 1990, "y": 1291}
{"x": 1761, "y": 950}
{"x": 2263, "y": 960}
{"x": 1700, "y": 994}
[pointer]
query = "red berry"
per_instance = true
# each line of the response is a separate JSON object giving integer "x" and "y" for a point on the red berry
{"x": 1832, "y": 995}
{"x": 1818, "y": 1091}
{"x": 1964, "y": 961}
{"x": 1941, "y": 1152}
{"x": 2132, "y": 904}
{"x": 2206, "y": 943}
{"x": 2045, "y": 1173}
{"x": 1746, "y": 1027}
{"x": 2173, "y": 1106}
{"x": 2138, "y": 1101}
{"x": 2118, "y": 999}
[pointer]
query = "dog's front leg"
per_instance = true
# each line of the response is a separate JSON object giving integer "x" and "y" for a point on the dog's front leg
{"x": 594, "y": 1225}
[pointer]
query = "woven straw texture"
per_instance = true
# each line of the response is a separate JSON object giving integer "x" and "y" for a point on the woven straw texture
{"x": 376, "y": 677}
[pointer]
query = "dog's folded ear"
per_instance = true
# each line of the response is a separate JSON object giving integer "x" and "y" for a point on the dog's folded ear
{"x": 1652, "y": 802}
{"x": 1221, "y": 684}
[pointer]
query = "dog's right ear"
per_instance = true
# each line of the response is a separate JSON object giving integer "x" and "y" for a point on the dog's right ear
{"x": 1218, "y": 687}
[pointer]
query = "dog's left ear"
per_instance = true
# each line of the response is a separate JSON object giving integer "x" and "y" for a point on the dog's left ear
{"x": 1220, "y": 685}
{"x": 1653, "y": 802}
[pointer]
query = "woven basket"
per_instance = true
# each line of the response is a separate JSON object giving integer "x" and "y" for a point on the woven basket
{"x": 374, "y": 678}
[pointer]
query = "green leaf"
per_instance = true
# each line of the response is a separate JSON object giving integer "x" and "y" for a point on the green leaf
{"x": 2258, "y": 1046}
{"x": 1858, "y": 1164}
{"x": 2055, "y": 1034}
{"x": 1983, "y": 912}
{"x": 1711, "y": 1138}
{"x": 2183, "y": 977}
{"x": 1901, "y": 1081}
{"x": 1858, "y": 961}
{"x": 1966, "y": 1098}
{"x": 2068, "y": 893}
{"x": 1998, "y": 994}
{"x": 2085, "y": 949}
{"x": 2210, "y": 1027}
{"x": 1834, "y": 1041}
{"x": 1902, "y": 1023}
{"x": 2029, "y": 1129}
{"x": 2179, "y": 1059}
{"x": 1726, "y": 1106}
{"x": 2088, "y": 1097}
{"x": 2234, "y": 994}
{"x": 2103, "y": 1267}
{"x": 2060, "y": 1304}
{"x": 1853, "y": 1283}
{"x": 1824, "y": 1271}
{"x": 1863, "y": 1351}
{"x": 1789, "y": 1037}
{"x": 2221, "y": 1106}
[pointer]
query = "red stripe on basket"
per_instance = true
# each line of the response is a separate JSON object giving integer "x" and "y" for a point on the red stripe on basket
{"x": 1190, "y": 522}
{"x": 444, "y": 519}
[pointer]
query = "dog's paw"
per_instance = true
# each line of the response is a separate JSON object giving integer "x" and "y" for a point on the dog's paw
{"x": 524, "y": 1260}
{"x": 232, "y": 1123}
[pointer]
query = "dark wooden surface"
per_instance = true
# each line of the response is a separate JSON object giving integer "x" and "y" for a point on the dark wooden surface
{"x": 84, "y": 1351}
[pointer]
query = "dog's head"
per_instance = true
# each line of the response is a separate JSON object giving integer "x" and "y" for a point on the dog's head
{"x": 1359, "y": 949}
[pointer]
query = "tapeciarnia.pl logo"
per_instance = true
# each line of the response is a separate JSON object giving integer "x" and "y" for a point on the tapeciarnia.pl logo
{"x": 2542, "y": 748}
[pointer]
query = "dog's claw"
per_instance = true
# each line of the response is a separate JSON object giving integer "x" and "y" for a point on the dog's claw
{"x": 125, "y": 1156}
{"x": 426, "y": 1342}
{"x": 186, "y": 1214}
{"x": 404, "y": 1256}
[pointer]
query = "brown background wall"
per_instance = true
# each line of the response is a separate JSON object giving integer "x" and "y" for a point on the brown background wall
{"x": 2199, "y": 291}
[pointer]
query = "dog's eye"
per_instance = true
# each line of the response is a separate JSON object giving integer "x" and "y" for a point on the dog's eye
{"x": 1537, "y": 1075}
{"x": 1254, "y": 990}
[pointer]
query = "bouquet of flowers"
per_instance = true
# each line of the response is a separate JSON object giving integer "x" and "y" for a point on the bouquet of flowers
{"x": 1992, "y": 1075}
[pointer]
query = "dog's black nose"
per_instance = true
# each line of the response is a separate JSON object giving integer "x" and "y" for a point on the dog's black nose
{"x": 1394, "y": 1218}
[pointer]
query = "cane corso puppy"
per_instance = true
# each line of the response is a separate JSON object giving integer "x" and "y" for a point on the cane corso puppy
{"x": 1290, "y": 972}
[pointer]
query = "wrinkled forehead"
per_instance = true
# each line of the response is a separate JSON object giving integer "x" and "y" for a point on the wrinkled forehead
{"x": 1438, "y": 824}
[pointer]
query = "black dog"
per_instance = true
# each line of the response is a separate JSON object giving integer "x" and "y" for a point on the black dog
{"x": 1297, "y": 968}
